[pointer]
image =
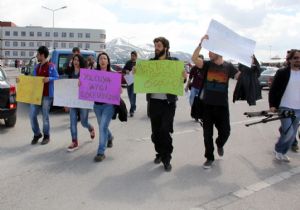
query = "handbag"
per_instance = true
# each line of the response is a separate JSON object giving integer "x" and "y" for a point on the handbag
{"x": 121, "y": 111}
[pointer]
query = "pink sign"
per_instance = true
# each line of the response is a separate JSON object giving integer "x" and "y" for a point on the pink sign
{"x": 100, "y": 86}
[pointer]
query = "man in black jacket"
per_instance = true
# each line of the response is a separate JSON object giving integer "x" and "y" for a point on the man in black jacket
{"x": 284, "y": 95}
{"x": 161, "y": 112}
{"x": 126, "y": 70}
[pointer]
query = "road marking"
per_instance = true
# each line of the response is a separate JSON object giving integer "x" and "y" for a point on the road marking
{"x": 249, "y": 190}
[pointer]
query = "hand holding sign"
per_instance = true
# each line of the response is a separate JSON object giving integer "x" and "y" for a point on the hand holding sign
{"x": 100, "y": 86}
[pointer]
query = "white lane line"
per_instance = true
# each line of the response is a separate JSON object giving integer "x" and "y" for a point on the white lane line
{"x": 249, "y": 190}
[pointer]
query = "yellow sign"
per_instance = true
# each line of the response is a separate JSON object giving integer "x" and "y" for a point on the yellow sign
{"x": 30, "y": 89}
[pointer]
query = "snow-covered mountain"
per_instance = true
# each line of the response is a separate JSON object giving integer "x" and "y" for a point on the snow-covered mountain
{"x": 119, "y": 51}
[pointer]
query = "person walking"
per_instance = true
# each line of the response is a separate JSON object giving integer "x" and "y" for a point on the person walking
{"x": 215, "y": 99}
{"x": 195, "y": 82}
{"x": 104, "y": 113}
{"x": 127, "y": 70}
{"x": 48, "y": 71}
{"x": 284, "y": 97}
{"x": 77, "y": 63}
{"x": 162, "y": 111}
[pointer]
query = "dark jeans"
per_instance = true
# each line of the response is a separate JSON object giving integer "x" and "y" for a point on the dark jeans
{"x": 132, "y": 98}
{"x": 162, "y": 116}
{"x": 217, "y": 116}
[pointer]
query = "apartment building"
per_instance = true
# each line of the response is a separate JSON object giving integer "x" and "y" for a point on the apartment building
{"x": 21, "y": 43}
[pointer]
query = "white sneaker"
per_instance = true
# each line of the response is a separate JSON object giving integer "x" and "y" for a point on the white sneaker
{"x": 285, "y": 158}
{"x": 278, "y": 156}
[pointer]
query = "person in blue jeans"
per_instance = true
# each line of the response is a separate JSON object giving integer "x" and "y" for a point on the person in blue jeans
{"x": 284, "y": 96}
{"x": 131, "y": 95}
{"x": 77, "y": 63}
{"x": 48, "y": 71}
{"x": 104, "y": 113}
{"x": 195, "y": 82}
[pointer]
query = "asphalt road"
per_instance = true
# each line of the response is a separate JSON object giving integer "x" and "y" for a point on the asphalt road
{"x": 48, "y": 177}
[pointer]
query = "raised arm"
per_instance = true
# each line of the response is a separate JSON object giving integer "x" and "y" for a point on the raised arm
{"x": 195, "y": 58}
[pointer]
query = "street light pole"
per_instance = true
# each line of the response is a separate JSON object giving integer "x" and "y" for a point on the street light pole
{"x": 53, "y": 10}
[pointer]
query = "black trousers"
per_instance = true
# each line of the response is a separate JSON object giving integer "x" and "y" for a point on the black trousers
{"x": 162, "y": 116}
{"x": 217, "y": 116}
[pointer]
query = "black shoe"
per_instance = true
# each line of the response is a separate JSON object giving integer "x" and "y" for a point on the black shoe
{"x": 109, "y": 142}
{"x": 36, "y": 139}
{"x": 220, "y": 151}
{"x": 99, "y": 157}
{"x": 208, "y": 164}
{"x": 157, "y": 160}
{"x": 167, "y": 166}
{"x": 131, "y": 114}
{"x": 46, "y": 140}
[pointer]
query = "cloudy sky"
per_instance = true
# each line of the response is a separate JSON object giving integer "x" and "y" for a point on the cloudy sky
{"x": 273, "y": 24}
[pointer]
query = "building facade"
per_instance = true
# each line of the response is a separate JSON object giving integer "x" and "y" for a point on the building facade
{"x": 21, "y": 43}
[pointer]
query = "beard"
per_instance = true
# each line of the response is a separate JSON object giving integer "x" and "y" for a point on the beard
{"x": 158, "y": 53}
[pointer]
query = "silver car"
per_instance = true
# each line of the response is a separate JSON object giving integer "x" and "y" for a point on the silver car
{"x": 266, "y": 77}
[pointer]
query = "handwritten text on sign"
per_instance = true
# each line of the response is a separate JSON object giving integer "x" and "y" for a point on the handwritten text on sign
{"x": 100, "y": 86}
{"x": 159, "y": 76}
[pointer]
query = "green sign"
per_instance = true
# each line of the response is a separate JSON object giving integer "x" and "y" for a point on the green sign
{"x": 159, "y": 76}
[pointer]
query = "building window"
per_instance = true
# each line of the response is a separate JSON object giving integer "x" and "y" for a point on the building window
{"x": 79, "y": 45}
{"x": 23, "y": 54}
{"x": 15, "y": 44}
{"x": 55, "y": 44}
{"x": 102, "y": 46}
{"x": 39, "y": 33}
{"x": 7, "y": 43}
{"x": 15, "y": 53}
{"x": 7, "y": 33}
{"x": 63, "y": 45}
{"x": 23, "y": 33}
{"x": 23, "y": 44}
{"x": 47, "y": 44}
{"x": 15, "y": 33}
{"x": 87, "y": 35}
{"x": 31, "y": 53}
{"x": 31, "y": 33}
{"x": 55, "y": 34}
{"x": 47, "y": 34}
{"x": 63, "y": 34}
{"x": 79, "y": 35}
{"x": 71, "y": 35}
{"x": 7, "y": 53}
{"x": 102, "y": 36}
{"x": 71, "y": 45}
{"x": 31, "y": 44}
{"x": 87, "y": 46}
{"x": 39, "y": 44}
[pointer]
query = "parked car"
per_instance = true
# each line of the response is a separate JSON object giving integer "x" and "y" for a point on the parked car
{"x": 28, "y": 68}
{"x": 266, "y": 77}
{"x": 118, "y": 68}
{"x": 8, "y": 103}
{"x": 61, "y": 58}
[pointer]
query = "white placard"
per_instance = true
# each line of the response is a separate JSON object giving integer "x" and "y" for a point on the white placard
{"x": 129, "y": 78}
{"x": 226, "y": 42}
{"x": 66, "y": 94}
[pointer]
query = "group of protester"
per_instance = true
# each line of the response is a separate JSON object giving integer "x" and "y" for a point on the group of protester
{"x": 209, "y": 79}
